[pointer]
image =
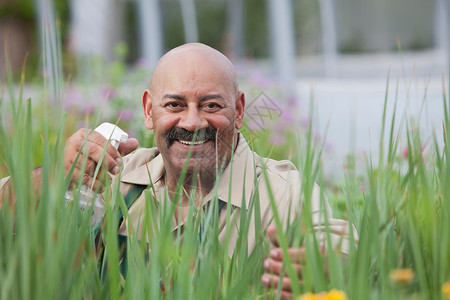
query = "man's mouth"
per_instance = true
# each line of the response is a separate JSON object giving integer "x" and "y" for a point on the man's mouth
{"x": 193, "y": 143}
{"x": 190, "y": 138}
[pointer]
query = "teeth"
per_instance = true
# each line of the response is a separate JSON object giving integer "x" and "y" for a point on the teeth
{"x": 190, "y": 143}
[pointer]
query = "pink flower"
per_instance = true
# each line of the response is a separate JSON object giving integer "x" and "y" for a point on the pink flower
{"x": 405, "y": 152}
{"x": 126, "y": 115}
{"x": 72, "y": 99}
{"x": 108, "y": 93}
{"x": 277, "y": 139}
{"x": 88, "y": 110}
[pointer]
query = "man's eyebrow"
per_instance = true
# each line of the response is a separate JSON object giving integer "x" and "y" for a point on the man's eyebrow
{"x": 174, "y": 96}
{"x": 202, "y": 98}
{"x": 211, "y": 96}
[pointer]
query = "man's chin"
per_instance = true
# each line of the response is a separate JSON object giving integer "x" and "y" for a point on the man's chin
{"x": 200, "y": 166}
{"x": 201, "y": 162}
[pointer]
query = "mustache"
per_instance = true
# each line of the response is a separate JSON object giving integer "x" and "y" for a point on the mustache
{"x": 176, "y": 133}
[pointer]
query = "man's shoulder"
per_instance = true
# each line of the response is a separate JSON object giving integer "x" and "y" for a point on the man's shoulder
{"x": 282, "y": 180}
{"x": 283, "y": 170}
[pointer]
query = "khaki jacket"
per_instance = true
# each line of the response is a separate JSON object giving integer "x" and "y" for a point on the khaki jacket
{"x": 244, "y": 169}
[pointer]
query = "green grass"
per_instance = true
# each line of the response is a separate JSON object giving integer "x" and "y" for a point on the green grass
{"x": 47, "y": 251}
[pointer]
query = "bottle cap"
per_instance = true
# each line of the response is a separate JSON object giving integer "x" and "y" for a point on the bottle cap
{"x": 113, "y": 133}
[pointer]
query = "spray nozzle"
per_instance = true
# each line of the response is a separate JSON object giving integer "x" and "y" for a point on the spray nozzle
{"x": 113, "y": 133}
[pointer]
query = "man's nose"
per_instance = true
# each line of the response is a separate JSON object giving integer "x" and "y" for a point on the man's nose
{"x": 192, "y": 120}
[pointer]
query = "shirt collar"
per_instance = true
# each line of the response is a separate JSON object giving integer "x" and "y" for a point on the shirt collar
{"x": 240, "y": 172}
{"x": 151, "y": 172}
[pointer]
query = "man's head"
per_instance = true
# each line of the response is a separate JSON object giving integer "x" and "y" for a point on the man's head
{"x": 194, "y": 103}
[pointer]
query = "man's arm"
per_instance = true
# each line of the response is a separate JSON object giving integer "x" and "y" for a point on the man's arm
{"x": 7, "y": 192}
{"x": 94, "y": 143}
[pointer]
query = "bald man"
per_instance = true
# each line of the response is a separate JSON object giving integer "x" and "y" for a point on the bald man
{"x": 195, "y": 110}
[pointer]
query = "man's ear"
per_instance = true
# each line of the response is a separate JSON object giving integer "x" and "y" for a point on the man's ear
{"x": 147, "y": 104}
{"x": 240, "y": 106}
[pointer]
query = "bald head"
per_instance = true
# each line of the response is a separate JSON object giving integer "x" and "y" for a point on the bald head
{"x": 194, "y": 89}
{"x": 194, "y": 59}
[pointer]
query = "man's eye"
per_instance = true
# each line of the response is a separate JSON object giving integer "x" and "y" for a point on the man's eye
{"x": 212, "y": 106}
{"x": 173, "y": 105}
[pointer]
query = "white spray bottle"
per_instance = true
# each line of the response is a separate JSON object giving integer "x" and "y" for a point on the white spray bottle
{"x": 115, "y": 135}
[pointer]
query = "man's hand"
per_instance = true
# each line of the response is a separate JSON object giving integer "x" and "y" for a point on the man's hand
{"x": 274, "y": 265}
{"x": 91, "y": 144}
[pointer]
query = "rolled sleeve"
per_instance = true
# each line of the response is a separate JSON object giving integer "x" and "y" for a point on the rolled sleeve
{"x": 3, "y": 181}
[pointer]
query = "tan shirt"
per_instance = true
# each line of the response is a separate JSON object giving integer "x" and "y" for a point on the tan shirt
{"x": 245, "y": 168}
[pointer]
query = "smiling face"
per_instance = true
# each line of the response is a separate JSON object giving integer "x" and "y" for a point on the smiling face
{"x": 194, "y": 105}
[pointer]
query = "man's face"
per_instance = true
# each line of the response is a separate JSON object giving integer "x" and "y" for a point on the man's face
{"x": 193, "y": 107}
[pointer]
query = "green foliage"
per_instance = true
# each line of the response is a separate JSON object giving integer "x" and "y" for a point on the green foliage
{"x": 402, "y": 218}
{"x": 22, "y": 9}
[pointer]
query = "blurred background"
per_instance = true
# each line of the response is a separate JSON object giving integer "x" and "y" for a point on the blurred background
{"x": 94, "y": 58}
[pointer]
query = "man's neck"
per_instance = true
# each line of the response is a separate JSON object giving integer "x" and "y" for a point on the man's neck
{"x": 194, "y": 185}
